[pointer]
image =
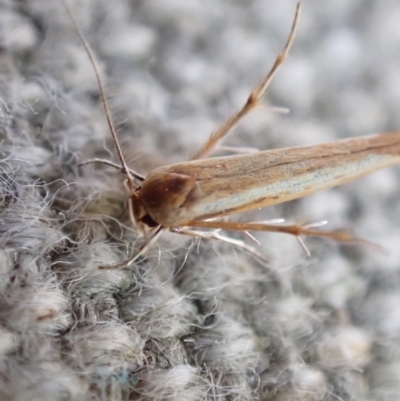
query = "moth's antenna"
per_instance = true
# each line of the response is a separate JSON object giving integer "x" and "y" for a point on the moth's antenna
{"x": 124, "y": 167}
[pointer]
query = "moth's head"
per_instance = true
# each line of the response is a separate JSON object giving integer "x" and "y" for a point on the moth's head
{"x": 166, "y": 194}
{"x": 142, "y": 220}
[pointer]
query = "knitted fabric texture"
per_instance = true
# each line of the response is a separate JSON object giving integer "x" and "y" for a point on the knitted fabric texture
{"x": 194, "y": 319}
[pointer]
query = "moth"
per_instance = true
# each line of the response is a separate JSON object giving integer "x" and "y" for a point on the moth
{"x": 197, "y": 196}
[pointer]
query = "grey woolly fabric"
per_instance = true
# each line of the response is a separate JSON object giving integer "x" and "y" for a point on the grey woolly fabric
{"x": 193, "y": 320}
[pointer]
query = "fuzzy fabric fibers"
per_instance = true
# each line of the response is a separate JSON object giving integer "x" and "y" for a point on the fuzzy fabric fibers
{"x": 195, "y": 319}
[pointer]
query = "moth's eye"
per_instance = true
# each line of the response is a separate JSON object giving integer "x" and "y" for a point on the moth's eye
{"x": 146, "y": 219}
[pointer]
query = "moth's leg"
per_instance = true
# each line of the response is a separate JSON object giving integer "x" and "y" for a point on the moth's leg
{"x": 131, "y": 213}
{"x": 293, "y": 229}
{"x": 215, "y": 235}
{"x": 140, "y": 252}
{"x": 117, "y": 166}
{"x": 254, "y": 98}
